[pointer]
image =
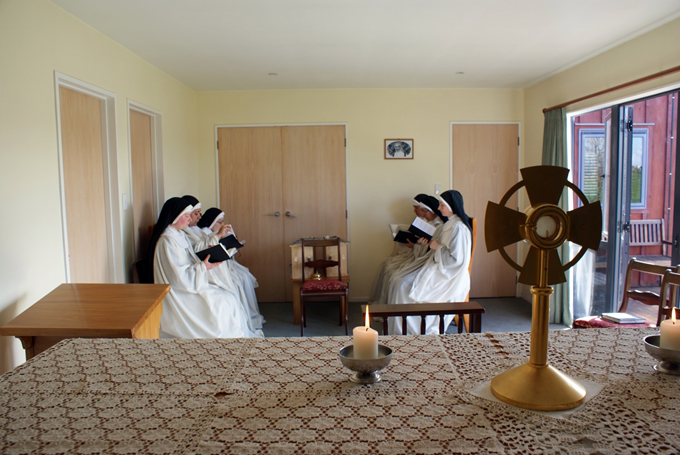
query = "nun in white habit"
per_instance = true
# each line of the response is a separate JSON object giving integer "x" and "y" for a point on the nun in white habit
{"x": 193, "y": 232}
{"x": 443, "y": 275}
{"x": 427, "y": 208}
{"x": 213, "y": 229}
{"x": 234, "y": 277}
{"x": 194, "y": 307}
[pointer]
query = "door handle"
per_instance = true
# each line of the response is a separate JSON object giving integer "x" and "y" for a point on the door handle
{"x": 290, "y": 214}
{"x": 274, "y": 214}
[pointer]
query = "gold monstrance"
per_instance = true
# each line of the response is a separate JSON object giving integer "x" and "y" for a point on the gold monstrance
{"x": 545, "y": 226}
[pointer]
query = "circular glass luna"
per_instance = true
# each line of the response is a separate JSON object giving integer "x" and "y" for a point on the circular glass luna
{"x": 546, "y": 227}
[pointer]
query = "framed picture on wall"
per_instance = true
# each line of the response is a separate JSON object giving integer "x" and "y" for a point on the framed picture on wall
{"x": 398, "y": 149}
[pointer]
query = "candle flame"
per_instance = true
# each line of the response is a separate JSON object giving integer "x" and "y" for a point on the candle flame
{"x": 368, "y": 319}
{"x": 672, "y": 315}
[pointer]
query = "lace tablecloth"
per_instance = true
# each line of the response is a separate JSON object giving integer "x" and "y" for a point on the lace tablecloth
{"x": 292, "y": 395}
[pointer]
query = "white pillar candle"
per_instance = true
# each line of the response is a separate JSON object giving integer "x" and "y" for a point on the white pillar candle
{"x": 670, "y": 333}
{"x": 365, "y": 341}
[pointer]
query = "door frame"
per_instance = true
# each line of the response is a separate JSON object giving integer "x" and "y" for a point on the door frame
{"x": 276, "y": 125}
{"x": 114, "y": 233}
{"x": 156, "y": 153}
{"x": 614, "y": 279}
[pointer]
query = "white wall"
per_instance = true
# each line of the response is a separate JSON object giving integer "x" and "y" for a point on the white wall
{"x": 36, "y": 39}
{"x": 379, "y": 191}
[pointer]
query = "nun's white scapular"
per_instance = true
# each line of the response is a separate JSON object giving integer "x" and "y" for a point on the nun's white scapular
{"x": 401, "y": 257}
{"x": 229, "y": 273}
{"x": 438, "y": 276}
{"x": 195, "y": 307}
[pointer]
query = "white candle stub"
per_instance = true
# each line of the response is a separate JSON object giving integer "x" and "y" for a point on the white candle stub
{"x": 670, "y": 333}
{"x": 365, "y": 341}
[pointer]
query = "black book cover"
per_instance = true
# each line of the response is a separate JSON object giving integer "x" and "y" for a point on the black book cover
{"x": 218, "y": 253}
{"x": 418, "y": 233}
{"x": 231, "y": 241}
{"x": 405, "y": 236}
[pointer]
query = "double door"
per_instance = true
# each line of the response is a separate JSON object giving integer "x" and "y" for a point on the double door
{"x": 276, "y": 185}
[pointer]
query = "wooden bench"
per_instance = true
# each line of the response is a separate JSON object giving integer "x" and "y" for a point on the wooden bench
{"x": 403, "y": 310}
{"x": 646, "y": 233}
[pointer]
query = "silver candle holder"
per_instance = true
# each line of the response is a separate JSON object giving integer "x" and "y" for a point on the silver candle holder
{"x": 669, "y": 359}
{"x": 365, "y": 370}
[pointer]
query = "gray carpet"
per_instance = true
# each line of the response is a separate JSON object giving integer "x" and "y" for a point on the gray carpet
{"x": 501, "y": 315}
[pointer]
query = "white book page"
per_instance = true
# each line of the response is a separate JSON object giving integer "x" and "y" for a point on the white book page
{"x": 424, "y": 226}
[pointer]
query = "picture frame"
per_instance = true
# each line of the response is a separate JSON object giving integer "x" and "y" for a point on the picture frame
{"x": 398, "y": 149}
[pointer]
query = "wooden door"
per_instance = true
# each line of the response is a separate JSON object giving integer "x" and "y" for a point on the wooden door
{"x": 314, "y": 181}
{"x": 485, "y": 166}
{"x": 251, "y": 196}
{"x": 278, "y": 184}
{"x": 82, "y": 157}
{"x": 141, "y": 157}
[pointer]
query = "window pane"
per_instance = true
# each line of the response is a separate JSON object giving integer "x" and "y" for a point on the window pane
{"x": 593, "y": 152}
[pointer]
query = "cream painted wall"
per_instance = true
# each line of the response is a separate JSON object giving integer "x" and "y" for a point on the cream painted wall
{"x": 650, "y": 53}
{"x": 379, "y": 191}
{"x": 36, "y": 39}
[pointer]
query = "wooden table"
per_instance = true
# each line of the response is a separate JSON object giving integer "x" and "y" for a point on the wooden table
{"x": 403, "y": 310}
{"x": 89, "y": 311}
{"x": 297, "y": 282}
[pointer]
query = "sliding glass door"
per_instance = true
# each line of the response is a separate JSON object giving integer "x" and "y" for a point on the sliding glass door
{"x": 625, "y": 157}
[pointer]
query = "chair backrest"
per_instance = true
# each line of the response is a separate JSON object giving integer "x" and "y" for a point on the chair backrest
{"x": 668, "y": 296}
{"x": 645, "y": 297}
{"x": 323, "y": 263}
{"x": 473, "y": 222}
{"x": 137, "y": 271}
{"x": 646, "y": 232}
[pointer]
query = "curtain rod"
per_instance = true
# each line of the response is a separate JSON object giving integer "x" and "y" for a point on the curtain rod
{"x": 675, "y": 69}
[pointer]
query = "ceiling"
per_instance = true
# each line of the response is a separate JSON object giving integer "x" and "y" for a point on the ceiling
{"x": 216, "y": 45}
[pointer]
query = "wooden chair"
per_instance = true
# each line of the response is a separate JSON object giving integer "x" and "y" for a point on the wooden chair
{"x": 466, "y": 317}
{"x": 645, "y": 297}
{"x": 471, "y": 311}
{"x": 668, "y": 299}
{"x": 329, "y": 285}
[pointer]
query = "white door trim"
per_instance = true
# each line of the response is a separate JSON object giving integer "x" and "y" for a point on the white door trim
{"x": 114, "y": 236}
{"x": 156, "y": 153}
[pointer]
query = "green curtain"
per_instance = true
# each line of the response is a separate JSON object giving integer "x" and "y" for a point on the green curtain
{"x": 555, "y": 154}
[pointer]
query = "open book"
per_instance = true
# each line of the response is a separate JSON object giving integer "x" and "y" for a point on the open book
{"x": 622, "y": 318}
{"x": 231, "y": 241}
{"x": 418, "y": 228}
{"x": 218, "y": 253}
